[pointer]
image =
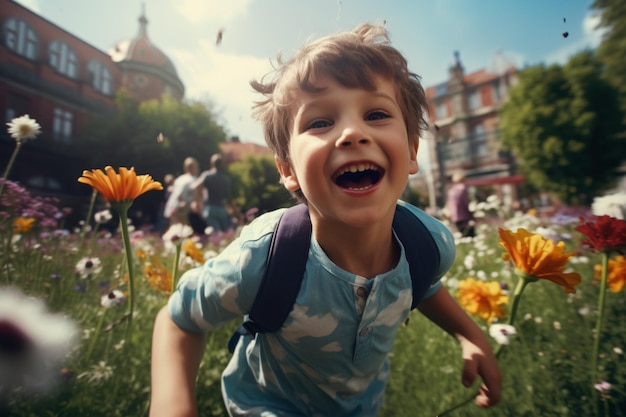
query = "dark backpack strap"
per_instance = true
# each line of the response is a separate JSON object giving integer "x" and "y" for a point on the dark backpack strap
{"x": 286, "y": 262}
{"x": 420, "y": 250}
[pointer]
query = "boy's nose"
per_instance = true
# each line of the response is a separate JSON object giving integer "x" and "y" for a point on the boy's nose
{"x": 352, "y": 136}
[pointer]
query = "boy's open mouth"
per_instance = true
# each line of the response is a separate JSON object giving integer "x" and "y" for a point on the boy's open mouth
{"x": 358, "y": 177}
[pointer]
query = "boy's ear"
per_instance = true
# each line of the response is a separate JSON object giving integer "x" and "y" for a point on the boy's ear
{"x": 413, "y": 147}
{"x": 287, "y": 176}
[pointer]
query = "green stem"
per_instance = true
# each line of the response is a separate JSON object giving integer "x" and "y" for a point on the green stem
{"x": 600, "y": 319}
{"x": 175, "y": 266}
{"x": 122, "y": 211}
{"x": 18, "y": 145}
{"x": 522, "y": 282}
{"x": 92, "y": 203}
{"x": 95, "y": 337}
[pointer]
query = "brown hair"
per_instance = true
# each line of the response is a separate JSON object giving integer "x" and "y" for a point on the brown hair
{"x": 353, "y": 59}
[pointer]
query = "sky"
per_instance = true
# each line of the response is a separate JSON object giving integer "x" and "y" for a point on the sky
{"x": 254, "y": 32}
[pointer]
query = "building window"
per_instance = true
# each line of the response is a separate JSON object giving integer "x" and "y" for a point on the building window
{"x": 456, "y": 151}
{"x": 496, "y": 92}
{"x": 100, "y": 77}
{"x": 17, "y": 105}
{"x": 63, "y": 59}
{"x": 44, "y": 182}
{"x": 20, "y": 38}
{"x": 62, "y": 125}
{"x": 441, "y": 110}
{"x": 479, "y": 139}
{"x": 441, "y": 89}
{"x": 473, "y": 100}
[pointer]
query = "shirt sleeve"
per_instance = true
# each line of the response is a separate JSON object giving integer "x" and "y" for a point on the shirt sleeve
{"x": 224, "y": 288}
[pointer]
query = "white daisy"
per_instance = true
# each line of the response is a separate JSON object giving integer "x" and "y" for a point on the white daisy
{"x": 502, "y": 333}
{"x": 177, "y": 231}
{"x": 613, "y": 205}
{"x": 174, "y": 235}
{"x": 23, "y": 128}
{"x": 88, "y": 267}
{"x": 112, "y": 299}
{"x": 103, "y": 216}
{"x": 33, "y": 343}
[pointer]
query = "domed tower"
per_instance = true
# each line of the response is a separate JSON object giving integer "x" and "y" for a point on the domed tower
{"x": 146, "y": 72}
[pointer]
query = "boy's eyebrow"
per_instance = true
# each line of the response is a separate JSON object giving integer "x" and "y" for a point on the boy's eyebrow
{"x": 320, "y": 102}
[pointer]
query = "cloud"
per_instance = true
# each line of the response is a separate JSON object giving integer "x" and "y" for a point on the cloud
{"x": 225, "y": 78}
{"x": 200, "y": 11}
{"x": 32, "y": 5}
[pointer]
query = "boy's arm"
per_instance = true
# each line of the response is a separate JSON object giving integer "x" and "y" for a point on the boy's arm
{"x": 176, "y": 356}
{"x": 478, "y": 358}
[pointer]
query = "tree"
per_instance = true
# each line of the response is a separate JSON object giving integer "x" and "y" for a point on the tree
{"x": 563, "y": 124}
{"x": 611, "y": 51}
{"x": 132, "y": 138}
{"x": 256, "y": 185}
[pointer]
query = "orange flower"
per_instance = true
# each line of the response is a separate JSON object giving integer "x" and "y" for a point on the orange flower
{"x": 23, "y": 224}
{"x": 192, "y": 251}
{"x": 616, "y": 277}
{"x": 158, "y": 277}
{"x": 125, "y": 186}
{"x": 483, "y": 299}
{"x": 538, "y": 257}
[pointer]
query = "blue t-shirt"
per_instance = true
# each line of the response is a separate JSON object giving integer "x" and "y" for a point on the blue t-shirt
{"x": 330, "y": 356}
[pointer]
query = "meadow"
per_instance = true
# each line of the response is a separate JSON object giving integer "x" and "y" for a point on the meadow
{"x": 68, "y": 346}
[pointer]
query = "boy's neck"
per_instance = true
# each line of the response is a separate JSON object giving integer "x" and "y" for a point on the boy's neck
{"x": 367, "y": 251}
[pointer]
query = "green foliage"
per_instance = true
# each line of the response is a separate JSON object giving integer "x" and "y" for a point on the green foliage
{"x": 563, "y": 124}
{"x": 545, "y": 368}
{"x": 256, "y": 185}
{"x": 413, "y": 196}
{"x": 611, "y": 50}
{"x": 129, "y": 138}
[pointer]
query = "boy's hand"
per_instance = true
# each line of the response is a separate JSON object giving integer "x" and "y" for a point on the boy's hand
{"x": 481, "y": 361}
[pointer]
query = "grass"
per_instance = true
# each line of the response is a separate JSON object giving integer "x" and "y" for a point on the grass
{"x": 546, "y": 367}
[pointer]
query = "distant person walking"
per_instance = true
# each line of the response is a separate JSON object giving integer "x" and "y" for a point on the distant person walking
{"x": 457, "y": 203}
{"x": 179, "y": 205}
{"x": 217, "y": 183}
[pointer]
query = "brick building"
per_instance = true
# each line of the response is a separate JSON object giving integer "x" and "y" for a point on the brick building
{"x": 60, "y": 80}
{"x": 463, "y": 114}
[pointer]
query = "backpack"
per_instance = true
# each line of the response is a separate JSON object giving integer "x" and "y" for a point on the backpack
{"x": 287, "y": 257}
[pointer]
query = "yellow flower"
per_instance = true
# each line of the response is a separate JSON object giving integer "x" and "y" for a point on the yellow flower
{"x": 23, "y": 224}
{"x": 158, "y": 277}
{"x": 616, "y": 278}
{"x": 142, "y": 254}
{"x": 192, "y": 251}
{"x": 538, "y": 257}
{"x": 483, "y": 299}
{"x": 125, "y": 186}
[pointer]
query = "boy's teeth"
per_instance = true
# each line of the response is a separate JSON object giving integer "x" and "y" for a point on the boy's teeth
{"x": 358, "y": 168}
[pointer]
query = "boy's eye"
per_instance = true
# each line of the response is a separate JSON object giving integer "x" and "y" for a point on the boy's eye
{"x": 318, "y": 124}
{"x": 376, "y": 115}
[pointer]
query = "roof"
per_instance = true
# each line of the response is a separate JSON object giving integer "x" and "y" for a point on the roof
{"x": 238, "y": 151}
{"x": 141, "y": 50}
{"x": 482, "y": 76}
